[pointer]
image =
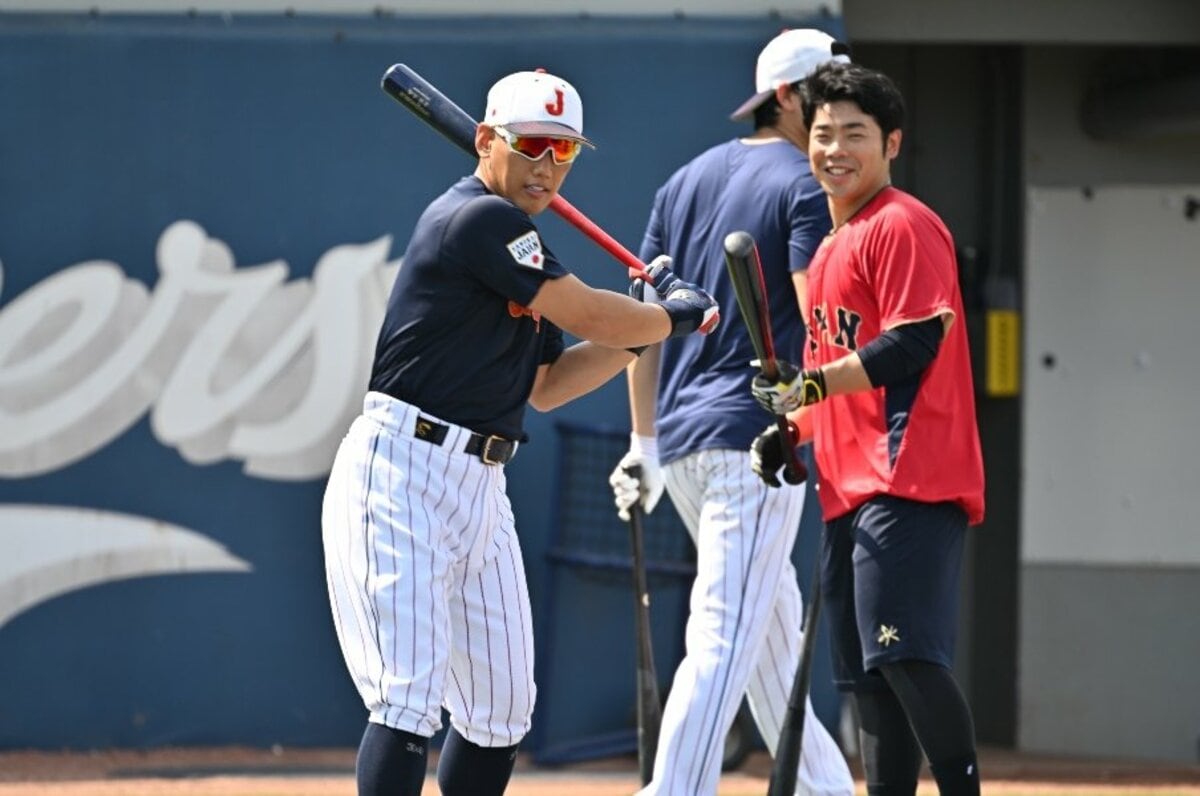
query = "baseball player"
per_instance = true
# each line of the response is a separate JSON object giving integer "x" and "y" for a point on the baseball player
{"x": 692, "y": 412}
{"x": 887, "y": 390}
{"x": 422, "y": 561}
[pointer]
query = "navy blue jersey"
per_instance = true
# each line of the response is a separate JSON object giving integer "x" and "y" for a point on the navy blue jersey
{"x": 765, "y": 189}
{"x": 458, "y": 340}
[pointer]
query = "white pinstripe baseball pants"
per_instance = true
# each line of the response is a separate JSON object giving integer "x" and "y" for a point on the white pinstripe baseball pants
{"x": 426, "y": 581}
{"x": 743, "y": 632}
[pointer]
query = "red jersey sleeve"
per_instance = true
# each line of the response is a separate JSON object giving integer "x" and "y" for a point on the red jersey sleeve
{"x": 914, "y": 268}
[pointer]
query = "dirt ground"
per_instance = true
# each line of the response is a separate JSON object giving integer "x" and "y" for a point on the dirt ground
{"x": 329, "y": 772}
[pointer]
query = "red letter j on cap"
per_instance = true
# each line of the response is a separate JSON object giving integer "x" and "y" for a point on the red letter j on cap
{"x": 556, "y": 109}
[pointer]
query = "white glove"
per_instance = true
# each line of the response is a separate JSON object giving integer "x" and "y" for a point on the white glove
{"x": 638, "y": 286}
{"x": 646, "y": 490}
{"x": 655, "y": 267}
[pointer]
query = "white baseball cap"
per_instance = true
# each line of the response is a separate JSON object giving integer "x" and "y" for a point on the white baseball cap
{"x": 536, "y": 103}
{"x": 791, "y": 56}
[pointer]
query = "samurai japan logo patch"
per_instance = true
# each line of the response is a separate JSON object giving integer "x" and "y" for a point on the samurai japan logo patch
{"x": 527, "y": 250}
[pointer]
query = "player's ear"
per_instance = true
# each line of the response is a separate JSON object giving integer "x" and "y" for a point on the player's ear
{"x": 891, "y": 144}
{"x": 484, "y": 136}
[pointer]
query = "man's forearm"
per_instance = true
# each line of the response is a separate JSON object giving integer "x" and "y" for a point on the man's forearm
{"x": 845, "y": 375}
{"x": 582, "y": 368}
{"x": 643, "y": 389}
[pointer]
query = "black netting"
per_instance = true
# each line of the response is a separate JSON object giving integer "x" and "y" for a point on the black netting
{"x": 587, "y": 631}
{"x": 587, "y": 531}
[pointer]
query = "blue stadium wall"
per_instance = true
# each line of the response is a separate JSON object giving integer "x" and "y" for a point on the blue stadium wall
{"x": 199, "y": 216}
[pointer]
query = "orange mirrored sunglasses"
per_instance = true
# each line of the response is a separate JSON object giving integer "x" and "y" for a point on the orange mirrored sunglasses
{"x": 533, "y": 147}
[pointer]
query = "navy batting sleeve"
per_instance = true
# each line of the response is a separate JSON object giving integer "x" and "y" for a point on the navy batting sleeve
{"x": 901, "y": 351}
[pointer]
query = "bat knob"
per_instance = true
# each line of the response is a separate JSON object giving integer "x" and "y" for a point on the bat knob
{"x": 795, "y": 472}
{"x": 739, "y": 244}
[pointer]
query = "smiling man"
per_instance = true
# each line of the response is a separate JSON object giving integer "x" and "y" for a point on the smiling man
{"x": 423, "y": 566}
{"x": 888, "y": 394}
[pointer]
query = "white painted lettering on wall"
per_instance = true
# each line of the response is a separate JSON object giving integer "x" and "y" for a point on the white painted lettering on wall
{"x": 52, "y": 550}
{"x": 233, "y": 363}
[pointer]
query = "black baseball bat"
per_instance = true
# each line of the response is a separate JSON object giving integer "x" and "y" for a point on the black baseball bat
{"x": 745, "y": 271}
{"x": 457, "y": 126}
{"x": 649, "y": 707}
{"x": 791, "y": 734}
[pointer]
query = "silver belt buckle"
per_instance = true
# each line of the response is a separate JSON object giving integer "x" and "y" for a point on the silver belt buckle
{"x": 485, "y": 454}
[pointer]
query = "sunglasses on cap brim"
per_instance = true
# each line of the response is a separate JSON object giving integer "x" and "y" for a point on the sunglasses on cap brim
{"x": 533, "y": 147}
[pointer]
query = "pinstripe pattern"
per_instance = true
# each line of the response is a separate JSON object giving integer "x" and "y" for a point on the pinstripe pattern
{"x": 426, "y": 581}
{"x": 743, "y": 629}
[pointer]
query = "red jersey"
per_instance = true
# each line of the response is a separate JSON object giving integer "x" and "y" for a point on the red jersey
{"x": 893, "y": 263}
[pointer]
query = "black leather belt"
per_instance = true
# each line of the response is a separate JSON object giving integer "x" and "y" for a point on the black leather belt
{"x": 490, "y": 448}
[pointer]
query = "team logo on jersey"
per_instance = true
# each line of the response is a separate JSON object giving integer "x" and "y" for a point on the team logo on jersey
{"x": 527, "y": 250}
{"x": 845, "y": 335}
{"x": 888, "y": 634}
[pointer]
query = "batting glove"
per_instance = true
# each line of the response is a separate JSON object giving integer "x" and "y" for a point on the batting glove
{"x": 768, "y": 455}
{"x": 691, "y": 309}
{"x": 660, "y": 276}
{"x": 793, "y": 389}
{"x": 657, "y": 273}
{"x": 645, "y": 488}
{"x": 689, "y": 306}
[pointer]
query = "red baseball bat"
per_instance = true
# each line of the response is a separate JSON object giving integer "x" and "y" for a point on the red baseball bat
{"x": 456, "y": 125}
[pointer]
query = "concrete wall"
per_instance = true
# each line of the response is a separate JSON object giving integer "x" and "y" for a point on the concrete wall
{"x": 1110, "y": 551}
{"x": 1022, "y": 21}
